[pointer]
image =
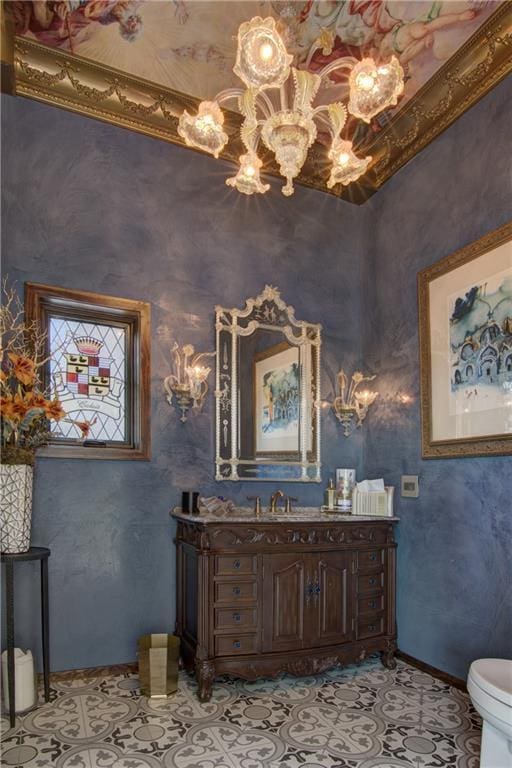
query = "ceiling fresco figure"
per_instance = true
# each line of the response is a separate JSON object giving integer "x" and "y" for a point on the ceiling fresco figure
{"x": 326, "y": 30}
{"x": 67, "y": 23}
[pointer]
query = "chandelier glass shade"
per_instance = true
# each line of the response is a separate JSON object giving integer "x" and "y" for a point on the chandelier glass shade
{"x": 261, "y": 58}
{"x": 278, "y": 110}
{"x": 204, "y": 130}
{"x": 247, "y": 180}
{"x": 346, "y": 166}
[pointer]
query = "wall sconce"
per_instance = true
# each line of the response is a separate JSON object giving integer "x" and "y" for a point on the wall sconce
{"x": 188, "y": 383}
{"x": 352, "y": 403}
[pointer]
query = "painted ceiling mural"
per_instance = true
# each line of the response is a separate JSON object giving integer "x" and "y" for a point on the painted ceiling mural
{"x": 190, "y": 46}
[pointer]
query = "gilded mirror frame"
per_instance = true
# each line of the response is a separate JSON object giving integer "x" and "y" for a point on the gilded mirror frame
{"x": 270, "y": 313}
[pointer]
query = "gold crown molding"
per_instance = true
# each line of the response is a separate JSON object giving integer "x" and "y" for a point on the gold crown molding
{"x": 6, "y": 51}
{"x": 83, "y": 86}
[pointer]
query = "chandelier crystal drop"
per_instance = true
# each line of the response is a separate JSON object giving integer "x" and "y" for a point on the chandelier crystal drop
{"x": 278, "y": 111}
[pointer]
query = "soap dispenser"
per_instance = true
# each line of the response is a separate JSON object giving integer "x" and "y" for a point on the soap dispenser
{"x": 330, "y": 495}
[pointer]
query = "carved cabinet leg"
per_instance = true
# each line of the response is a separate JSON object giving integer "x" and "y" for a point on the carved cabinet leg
{"x": 205, "y": 673}
{"x": 387, "y": 657}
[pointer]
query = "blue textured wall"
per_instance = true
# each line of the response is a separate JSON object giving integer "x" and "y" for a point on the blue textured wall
{"x": 94, "y": 207}
{"x": 454, "y": 555}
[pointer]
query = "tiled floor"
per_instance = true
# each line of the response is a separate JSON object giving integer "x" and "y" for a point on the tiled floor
{"x": 361, "y": 716}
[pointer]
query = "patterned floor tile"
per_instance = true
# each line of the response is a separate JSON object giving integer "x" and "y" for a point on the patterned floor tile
{"x": 362, "y": 716}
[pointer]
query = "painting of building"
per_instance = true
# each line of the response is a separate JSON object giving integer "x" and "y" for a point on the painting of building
{"x": 481, "y": 339}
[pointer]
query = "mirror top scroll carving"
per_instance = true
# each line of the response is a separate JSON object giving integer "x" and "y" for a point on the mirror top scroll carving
{"x": 267, "y": 392}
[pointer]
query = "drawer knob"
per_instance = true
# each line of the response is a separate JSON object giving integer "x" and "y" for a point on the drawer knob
{"x": 372, "y": 581}
{"x": 236, "y": 643}
{"x": 373, "y": 604}
{"x": 236, "y": 564}
{"x": 373, "y": 556}
{"x": 371, "y": 627}
{"x": 236, "y": 591}
{"x": 237, "y": 618}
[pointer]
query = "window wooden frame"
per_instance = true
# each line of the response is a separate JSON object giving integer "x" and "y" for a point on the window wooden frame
{"x": 45, "y": 301}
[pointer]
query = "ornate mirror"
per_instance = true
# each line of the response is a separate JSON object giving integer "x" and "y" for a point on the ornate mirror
{"x": 267, "y": 393}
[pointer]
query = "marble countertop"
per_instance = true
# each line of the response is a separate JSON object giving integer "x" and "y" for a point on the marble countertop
{"x": 298, "y": 515}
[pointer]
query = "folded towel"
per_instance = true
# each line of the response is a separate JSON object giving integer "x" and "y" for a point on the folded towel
{"x": 213, "y": 505}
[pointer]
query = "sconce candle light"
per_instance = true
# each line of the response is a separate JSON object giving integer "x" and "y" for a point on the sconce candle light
{"x": 188, "y": 383}
{"x": 352, "y": 403}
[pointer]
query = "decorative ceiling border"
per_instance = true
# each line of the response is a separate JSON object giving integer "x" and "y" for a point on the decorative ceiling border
{"x": 86, "y": 87}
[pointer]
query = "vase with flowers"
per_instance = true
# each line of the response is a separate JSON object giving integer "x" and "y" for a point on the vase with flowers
{"x": 26, "y": 413}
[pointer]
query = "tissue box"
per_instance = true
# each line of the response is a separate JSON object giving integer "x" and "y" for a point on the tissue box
{"x": 373, "y": 503}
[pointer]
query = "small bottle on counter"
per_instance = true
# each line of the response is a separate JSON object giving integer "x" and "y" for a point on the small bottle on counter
{"x": 330, "y": 495}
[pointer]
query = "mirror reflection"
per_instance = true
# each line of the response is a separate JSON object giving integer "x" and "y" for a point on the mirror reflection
{"x": 267, "y": 404}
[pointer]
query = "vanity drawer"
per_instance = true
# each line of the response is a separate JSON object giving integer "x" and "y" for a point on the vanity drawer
{"x": 371, "y": 604}
{"x": 370, "y": 560}
{"x": 370, "y": 582}
{"x": 235, "y": 591}
{"x": 230, "y": 565}
{"x": 228, "y": 645}
{"x": 234, "y": 618}
{"x": 370, "y": 627}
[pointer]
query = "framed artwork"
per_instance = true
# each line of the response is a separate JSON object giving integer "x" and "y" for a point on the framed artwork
{"x": 465, "y": 326}
{"x": 98, "y": 350}
{"x": 277, "y": 400}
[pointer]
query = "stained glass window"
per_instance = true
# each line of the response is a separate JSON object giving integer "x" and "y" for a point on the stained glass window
{"x": 88, "y": 375}
{"x": 98, "y": 368}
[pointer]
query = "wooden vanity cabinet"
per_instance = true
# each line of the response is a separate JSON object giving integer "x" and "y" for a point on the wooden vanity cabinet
{"x": 258, "y": 599}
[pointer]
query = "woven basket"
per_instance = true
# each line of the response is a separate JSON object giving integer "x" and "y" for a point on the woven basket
{"x": 15, "y": 507}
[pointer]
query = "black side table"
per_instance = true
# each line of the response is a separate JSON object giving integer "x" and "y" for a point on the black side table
{"x": 34, "y": 553}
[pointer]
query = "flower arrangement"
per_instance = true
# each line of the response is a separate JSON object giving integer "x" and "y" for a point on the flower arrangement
{"x": 25, "y": 410}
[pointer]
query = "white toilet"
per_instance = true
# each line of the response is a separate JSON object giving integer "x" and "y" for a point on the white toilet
{"x": 490, "y": 688}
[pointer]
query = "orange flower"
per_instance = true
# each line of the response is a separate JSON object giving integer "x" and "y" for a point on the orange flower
{"x": 23, "y": 368}
{"x": 36, "y": 400}
{"x": 3, "y": 376}
{"x": 7, "y": 409}
{"x": 20, "y": 406}
{"x": 54, "y": 410}
{"x": 14, "y": 408}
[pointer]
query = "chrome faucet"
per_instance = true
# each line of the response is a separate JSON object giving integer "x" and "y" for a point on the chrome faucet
{"x": 273, "y": 500}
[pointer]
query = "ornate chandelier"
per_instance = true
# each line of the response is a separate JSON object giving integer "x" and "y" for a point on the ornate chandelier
{"x": 288, "y": 127}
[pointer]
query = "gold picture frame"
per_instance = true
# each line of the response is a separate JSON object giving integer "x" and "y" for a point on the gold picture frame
{"x": 465, "y": 342}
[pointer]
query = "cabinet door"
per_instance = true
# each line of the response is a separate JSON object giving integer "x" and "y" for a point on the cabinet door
{"x": 283, "y": 602}
{"x": 328, "y": 598}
